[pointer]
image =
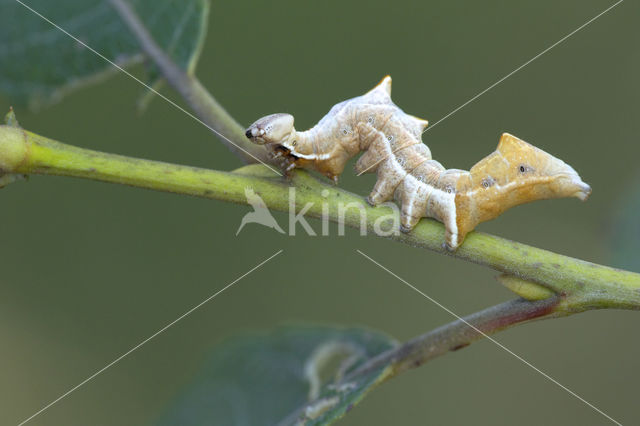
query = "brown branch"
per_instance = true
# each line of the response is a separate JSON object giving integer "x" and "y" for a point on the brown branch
{"x": 204, "y": 105}
{"x": 459, "y": 334}
{"x": 449, "y": 337}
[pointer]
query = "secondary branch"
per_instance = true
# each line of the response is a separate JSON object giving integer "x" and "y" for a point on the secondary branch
{"x": 205, "y": 106}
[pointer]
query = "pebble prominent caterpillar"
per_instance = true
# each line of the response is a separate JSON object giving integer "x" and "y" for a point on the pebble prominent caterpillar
{"x": 515, "y": 173}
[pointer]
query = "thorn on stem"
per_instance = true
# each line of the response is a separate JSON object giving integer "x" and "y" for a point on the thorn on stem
{"x": 10, "y": 119}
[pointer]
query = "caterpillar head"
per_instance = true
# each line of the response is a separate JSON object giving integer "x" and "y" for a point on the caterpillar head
{"x": 272, "y": 129}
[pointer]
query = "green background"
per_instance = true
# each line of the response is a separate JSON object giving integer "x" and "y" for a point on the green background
{"x": 89, "y": 270}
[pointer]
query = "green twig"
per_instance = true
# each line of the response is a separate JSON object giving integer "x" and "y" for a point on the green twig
{"x": 581, "y": 285}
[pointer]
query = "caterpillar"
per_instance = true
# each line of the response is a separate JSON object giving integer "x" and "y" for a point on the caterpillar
{"x": 515, "y": 173}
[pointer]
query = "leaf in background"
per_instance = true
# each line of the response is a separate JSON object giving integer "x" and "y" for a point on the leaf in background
{"x": 625, "y": 229}
{"x": 39, "y": 64}
{"x": 261, "y": 379}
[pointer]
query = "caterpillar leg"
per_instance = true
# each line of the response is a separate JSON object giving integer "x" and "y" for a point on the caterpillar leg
{"x": 397, "y": 172}
{"x": 451, "y": 242}
{"x": 390, "y": 175}
{"x": 413, "y": 199}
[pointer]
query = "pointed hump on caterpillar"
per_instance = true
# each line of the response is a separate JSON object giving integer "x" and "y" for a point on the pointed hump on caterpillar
{"x": 381, "y": 93}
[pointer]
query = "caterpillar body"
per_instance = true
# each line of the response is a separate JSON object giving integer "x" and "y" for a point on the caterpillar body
{"x": 391, "y": 140}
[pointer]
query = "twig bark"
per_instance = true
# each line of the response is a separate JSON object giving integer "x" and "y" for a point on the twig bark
{"x": 458, "y": 334}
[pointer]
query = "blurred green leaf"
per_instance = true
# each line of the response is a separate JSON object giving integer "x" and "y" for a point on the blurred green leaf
{"x": 261, "y": 379}
{"x": 40, "y": 64}
{"x": 625, "y": 229}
